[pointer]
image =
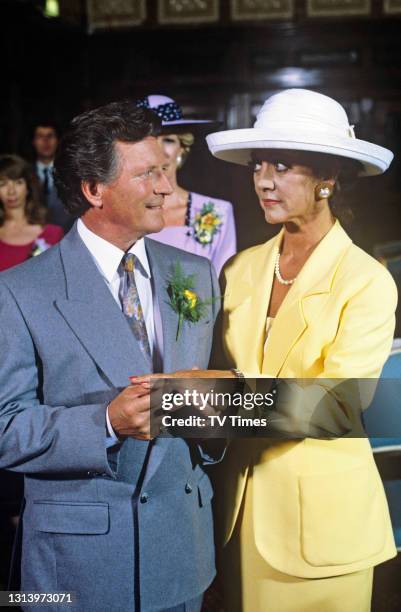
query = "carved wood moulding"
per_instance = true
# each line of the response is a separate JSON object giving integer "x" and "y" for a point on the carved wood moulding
{"x": 187, "y": 11}
{"x": 243, "y": 10}
{"x": 337, "y": 8}
{"x": 392, "y": 7}
{"x": 111, "y": 14}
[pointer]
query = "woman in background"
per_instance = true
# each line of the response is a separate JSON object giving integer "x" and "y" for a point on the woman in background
{"x": 23, "y": 229}
{"x": 195, "y": 223}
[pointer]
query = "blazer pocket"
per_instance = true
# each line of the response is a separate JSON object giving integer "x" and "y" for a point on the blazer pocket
{"x": 205, "y": 491}
{"x": 70, "y": 517}
{"x": 342, "y": 517}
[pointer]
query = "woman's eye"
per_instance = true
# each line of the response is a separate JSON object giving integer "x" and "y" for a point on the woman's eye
{"x": 20, "y": 181}
{"x": 280, "y": 167}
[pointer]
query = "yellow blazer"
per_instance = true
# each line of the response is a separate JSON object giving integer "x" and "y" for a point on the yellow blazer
{"x": 319, "y": 505}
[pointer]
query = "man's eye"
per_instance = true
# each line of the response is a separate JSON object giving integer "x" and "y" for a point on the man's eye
{"x": 280, "y": 167}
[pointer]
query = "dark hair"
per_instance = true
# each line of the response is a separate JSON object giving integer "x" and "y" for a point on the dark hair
{"x": 344, "y": 170}
{"x": 87, "y": 150}
{"x": 48, "y": 123}
{"x": 14, "y": 168}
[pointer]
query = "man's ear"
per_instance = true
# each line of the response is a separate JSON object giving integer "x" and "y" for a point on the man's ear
{"x": 93, "y": 192}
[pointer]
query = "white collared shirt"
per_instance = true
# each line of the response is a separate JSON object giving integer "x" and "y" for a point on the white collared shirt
{"x": 107, "y": 258}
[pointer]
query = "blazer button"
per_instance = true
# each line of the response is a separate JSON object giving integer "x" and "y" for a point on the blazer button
{"x": 144, "y": 498}
{"x": 188, "y": 488}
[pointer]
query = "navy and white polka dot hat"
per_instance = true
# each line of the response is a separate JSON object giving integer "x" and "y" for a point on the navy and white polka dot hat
{"x": 171, "y": 114}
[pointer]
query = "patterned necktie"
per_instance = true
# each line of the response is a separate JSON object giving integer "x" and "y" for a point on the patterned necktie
{"x": 131, "y": 303}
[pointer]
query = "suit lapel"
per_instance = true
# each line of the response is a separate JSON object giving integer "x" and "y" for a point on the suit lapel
{"x": 316, "y": 277}
{"x": 175, "y": 351}
{"x": 93, "y": 315}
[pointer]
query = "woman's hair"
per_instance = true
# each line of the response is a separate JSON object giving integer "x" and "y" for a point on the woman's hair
{"x": 14, "y": 168}
{"x": 344, "y": 170}
{"x": 186, "y": 141}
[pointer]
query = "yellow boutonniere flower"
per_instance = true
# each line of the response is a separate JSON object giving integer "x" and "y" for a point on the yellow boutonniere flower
{"x": 183, "y": 298}
{"x": 191, "y": 298}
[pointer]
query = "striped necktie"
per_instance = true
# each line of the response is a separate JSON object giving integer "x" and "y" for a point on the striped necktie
{"x": 131, "y": 304}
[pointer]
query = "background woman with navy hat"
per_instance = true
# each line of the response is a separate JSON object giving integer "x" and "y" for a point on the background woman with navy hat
{"x": 196, "y": 223}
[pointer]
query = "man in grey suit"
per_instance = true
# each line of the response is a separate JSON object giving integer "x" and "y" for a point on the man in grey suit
{"x": 122, "y": 521}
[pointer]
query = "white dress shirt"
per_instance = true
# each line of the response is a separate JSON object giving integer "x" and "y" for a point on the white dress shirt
{"x": 107, "y": 258}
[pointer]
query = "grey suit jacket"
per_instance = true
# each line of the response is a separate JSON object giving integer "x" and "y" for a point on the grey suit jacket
{"x": 66, "y": 350}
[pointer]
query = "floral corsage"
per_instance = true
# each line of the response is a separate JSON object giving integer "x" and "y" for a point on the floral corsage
{"x": 206, "y": 224}
{"x": 183, "y": 299}
{"x": 39, "y": 246}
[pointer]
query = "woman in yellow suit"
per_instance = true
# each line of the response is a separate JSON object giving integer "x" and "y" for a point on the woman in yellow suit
{"x": 303, "y": 521}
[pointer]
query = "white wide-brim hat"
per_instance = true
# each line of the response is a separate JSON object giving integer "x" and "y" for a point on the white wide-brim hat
{"x": 300, "y": 120}
{"x": 172, "y": 117}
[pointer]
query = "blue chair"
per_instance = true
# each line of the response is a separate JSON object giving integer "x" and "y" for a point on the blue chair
{"x": 383, "y": 426}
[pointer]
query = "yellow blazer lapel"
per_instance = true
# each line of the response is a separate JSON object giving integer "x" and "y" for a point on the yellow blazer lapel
{"x": 245, "y": 333}
{"x": 316, "y": 277}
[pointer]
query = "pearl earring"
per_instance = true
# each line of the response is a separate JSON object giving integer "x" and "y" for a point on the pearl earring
{"x": 323, "y": 191}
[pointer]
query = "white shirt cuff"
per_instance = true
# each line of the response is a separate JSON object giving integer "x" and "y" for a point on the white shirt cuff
{"x": 111, "y": 439}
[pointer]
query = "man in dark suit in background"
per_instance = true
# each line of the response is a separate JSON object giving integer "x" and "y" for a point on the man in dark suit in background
{"x": 45, "y": 141}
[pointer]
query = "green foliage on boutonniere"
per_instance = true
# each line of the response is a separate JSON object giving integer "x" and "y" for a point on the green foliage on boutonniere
{"x": 183, "y": 299}
{"x": 206, "y": 224}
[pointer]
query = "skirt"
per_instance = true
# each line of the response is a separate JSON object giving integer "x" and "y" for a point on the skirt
{"x": 250, "y": 584}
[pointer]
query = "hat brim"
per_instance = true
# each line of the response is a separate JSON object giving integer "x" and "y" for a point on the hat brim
{"x": 198, "y": 126}
{"x": 236, "y": 146}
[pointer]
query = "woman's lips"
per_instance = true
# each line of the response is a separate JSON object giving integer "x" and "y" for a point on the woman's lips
{"x": 270, "y": 202}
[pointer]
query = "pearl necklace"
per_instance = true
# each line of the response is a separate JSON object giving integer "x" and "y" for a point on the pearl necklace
{"x": 280, "y": 279}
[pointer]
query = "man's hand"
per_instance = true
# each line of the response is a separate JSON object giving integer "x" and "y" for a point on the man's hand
{"x": 129, "y": 412}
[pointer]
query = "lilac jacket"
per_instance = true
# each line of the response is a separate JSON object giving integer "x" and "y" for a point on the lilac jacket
{"x": 223, "y": 244}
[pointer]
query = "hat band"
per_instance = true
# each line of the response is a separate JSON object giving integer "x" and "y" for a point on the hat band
{"x": 167, "y": 112}
{"x": 291, "y": 127}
